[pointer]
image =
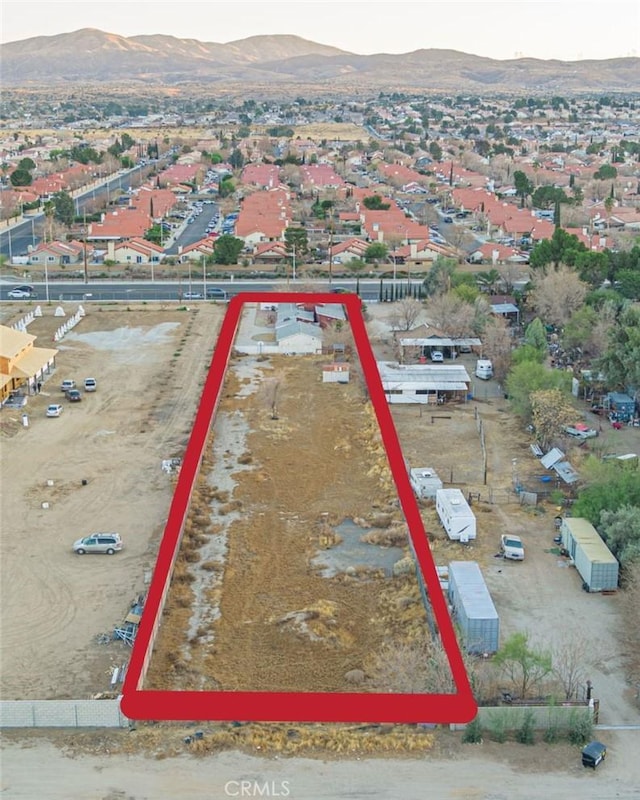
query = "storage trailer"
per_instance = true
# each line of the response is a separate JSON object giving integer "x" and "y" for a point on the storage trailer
{"x": 456, "y": 516}
{"x": 596, "y": 564}
{"x": 473, "y": 610}
{"x": 425, "y": 482}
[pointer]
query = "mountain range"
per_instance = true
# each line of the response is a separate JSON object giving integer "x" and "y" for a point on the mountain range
{"x": 277, "y": 61}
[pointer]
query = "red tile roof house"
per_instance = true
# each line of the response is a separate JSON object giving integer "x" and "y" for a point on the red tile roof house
{"x": 134, "y": 251}
{"x": 319, "y": 176}
{"x": 178, "y": 174}
{"x": 264, "y": 216}
{"x": 58, "y": 253}
{"x": 264, "y": 175}
{"x": 196, "y": 250}
{"x": 497, "y": 255}
{"x": 350, "y": 250}
{"x": 269, "y": 253}
{"x": 150, "y": 199}
{"x": 120, "y": 225}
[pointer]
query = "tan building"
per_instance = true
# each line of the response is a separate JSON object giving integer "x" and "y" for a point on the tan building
{"x": 22, "y": 366}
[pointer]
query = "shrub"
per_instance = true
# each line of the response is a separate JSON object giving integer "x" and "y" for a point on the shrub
{"x": 580, "y": 726}
{"x": 473, "y": 732}
{"x": 498, "y": 726}
{"x": 525, "y": 734}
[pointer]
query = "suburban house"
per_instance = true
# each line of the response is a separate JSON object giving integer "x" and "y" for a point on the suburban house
{"x": 423, "y": 383}
{"x": 22, "y": 365}
{"x": 120, "y": 225}
{"x": 267, "y": 176}
{"x": 349, "y": 250}
{"x": 134, "y": 251}
{"x": 57, "y": 254}
{"x": 264, "y": 216}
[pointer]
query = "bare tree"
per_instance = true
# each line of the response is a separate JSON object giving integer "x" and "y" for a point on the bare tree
{"x": 405, "y": 314}
{"x": 452, "y": 315}
{"x": 551, "y": 413}
{"x": 570, "y": 660}
{"x": 557, "y": 295}
{"x": 497, "y": 345}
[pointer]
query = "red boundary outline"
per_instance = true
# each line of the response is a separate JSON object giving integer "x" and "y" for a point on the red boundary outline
{"x": 138, "y": 703}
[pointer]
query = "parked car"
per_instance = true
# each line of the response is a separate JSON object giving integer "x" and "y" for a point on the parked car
{"x": 448, "y": 220}
{"x": 90, "y": 384}
{"x": 74, "y": 396}
{"x": 340, "y": 290}
{"x": 511, "y": 547}
{"x": 21, "y": 292}
{"x": 107, "y": 543}
{"x": 54, "y": 410}
{"x": 192, "y": 296}
{"x": 214, "y": 293}
{"x": 593, "y": 754}
{"x": 67, "y": 385}
{"x": 437, "y": 355}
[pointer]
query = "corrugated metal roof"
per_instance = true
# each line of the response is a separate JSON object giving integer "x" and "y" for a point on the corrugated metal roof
{"x": 550, "y": 458}
{"x": 591, "y": 542}
{"x": 440, "y": 341}
{"x": 470, "y": 586}
{"x": 566, "y": 472}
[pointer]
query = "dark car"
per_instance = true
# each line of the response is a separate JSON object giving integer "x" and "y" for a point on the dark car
{"x": 593, "y": 754}
{"x": 74, "y": 396}
{"x": 214, "y": 293}
{"x": 448, "y": 220}
{"x": 341, "y": 290}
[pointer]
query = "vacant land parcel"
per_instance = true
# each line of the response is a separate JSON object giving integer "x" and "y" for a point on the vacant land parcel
{"x": 288, "y": 576}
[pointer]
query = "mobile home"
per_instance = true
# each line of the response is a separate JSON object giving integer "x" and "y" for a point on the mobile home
{"x": 484, "y": 369}
{"x": 473, "y": 610}
{"x": 596, "y": 564}
{"x": 425, "y": 482}
{"x": 458, "y": 519}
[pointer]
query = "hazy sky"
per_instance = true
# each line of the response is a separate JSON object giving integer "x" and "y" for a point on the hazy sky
{"x": 508, "y": 29}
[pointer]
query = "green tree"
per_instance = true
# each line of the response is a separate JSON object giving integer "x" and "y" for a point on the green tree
{"x": 20, "y": 177}
{"x": 64, "y": 208}
{"x": 621, "y": 361}
{"x": 612, "y": 489}
{"x": 440, "y": 276}
{"x": 548, "y": 196}
{"x": 620, "y": 529}
{"x": 562, "y": 248}
{"x": 592, "y": 267}
{"x": 296, "y": 241}
{"x": 236, "y": 159}
{"x": 605, "y": 173}
{"x": 226, "y": 187}
{"x": 227, "y": 249}
{"x": 488, "y": 280}
{"x": 523, "y": 664}
{"x": 527, "y": 352}
{"x": 628, "y": 281}
{"x": 528, "y": 377}
{"x": 435, "y": 150}
{"x": 536, "y": 336}
{"x": 376, "y": 252}
{"x": 523, "y": 186}
{"x": 27, "y": 163}
{"x": 375, "y": 203}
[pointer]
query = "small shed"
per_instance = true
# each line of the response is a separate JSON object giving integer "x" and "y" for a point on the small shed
{"x": 621, "y": 407}
{"x": 596, "y": 564}
{"x": 456, "y": 516}
{"x": 472, "y": 608}
{"x": 425, "y": 482}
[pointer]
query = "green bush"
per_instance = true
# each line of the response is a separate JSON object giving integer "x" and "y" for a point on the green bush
{"x": 473, "y": 732}
{"x": 580, "y": 726}
{"x": 498, "y": 726}
{"x": 525, "y": 733}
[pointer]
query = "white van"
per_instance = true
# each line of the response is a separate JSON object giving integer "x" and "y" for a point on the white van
{"x": 484, "y": 369}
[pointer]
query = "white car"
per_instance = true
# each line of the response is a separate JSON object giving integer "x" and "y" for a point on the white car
{"x": 511, "y": 547}
{"x": 436, "y": 355}
{"x": 21, "y": 292}
{"x": 54, "y": 410}
{"x": 108, "y": 543}
{"x": 581, "y": 432}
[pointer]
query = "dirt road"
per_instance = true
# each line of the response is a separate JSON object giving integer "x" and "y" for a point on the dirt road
{"x": 35, "y": 768}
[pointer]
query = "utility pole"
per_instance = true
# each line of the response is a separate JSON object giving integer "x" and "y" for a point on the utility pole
{"x": 84, "y": 250}
{"x": 330, "y": 248}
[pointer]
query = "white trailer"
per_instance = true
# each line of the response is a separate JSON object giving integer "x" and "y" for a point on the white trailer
{"x": 458, "y": 519}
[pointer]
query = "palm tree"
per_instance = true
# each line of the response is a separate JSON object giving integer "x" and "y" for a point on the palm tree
{"x": 487, "y": 281}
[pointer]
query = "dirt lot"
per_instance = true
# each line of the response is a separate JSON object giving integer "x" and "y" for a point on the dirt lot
{"x": 282, "y": 626}
{"x": 149, "y": 366}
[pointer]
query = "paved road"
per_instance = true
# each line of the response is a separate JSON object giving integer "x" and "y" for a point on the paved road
{"x": 60, "y": 291}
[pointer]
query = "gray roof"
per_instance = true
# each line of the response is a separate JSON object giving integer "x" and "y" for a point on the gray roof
{"x": 566, "y": 472}
{"x": 292, "y": 328}
{"x": 420, "y": 376}
{"x": 551, "y": 458}
{"x": 333, "y": 310}
{"x": 440, "y": 341}
{"x": 473, "y": 591}
{"x": 504, "y": 308}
